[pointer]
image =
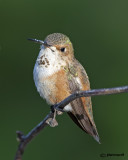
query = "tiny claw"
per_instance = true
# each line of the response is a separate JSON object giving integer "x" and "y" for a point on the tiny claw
{"x": 59, "y": 112}
{"x": 55, "y": 108}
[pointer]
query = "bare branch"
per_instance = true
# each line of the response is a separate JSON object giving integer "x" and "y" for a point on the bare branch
{"x": 50, "y": 118}
{"x": 24, "y": 140}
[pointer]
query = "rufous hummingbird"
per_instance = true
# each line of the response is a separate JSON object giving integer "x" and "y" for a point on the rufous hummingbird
{"x": 57, "y": 74}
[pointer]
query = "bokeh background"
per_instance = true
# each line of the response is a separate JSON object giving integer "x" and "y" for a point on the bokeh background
{"x": 99, "y": 32}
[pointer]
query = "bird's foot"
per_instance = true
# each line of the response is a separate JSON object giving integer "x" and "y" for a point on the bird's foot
{"x": 58, "y": 110}
{"x": 52, "y": 121}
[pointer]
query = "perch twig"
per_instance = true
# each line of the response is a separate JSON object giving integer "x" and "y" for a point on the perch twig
{"x": 48, "y": 120}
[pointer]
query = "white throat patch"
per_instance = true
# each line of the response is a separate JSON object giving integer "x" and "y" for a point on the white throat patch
{"x": 48, "y": 61}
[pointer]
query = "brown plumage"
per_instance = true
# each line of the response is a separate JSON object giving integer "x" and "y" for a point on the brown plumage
{"x": 82, "y": 108}
{"x": 63, "y": 76}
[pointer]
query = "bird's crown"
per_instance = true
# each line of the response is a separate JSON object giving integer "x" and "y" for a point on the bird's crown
{"x": 57, "y": 39}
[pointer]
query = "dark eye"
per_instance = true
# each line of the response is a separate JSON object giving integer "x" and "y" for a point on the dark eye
{"x": 62, "y": 49}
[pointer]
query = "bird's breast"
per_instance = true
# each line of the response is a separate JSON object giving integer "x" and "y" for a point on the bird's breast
{"x": 48, "y": 73}
{"x": 51, "y": 83}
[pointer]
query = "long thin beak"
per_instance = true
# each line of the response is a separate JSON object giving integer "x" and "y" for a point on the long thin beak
{"x": 39, "y": 41}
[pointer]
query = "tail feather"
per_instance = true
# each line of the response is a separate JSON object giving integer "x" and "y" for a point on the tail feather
{"x": 86, "y": 126}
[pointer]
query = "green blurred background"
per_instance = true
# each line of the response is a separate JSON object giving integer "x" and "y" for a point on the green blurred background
{"x": 99, "y": 32}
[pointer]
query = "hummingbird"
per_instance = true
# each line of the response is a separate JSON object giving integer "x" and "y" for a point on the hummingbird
{"x": 57, "y": 74}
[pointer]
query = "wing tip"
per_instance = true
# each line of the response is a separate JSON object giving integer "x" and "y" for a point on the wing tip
{"x": 97, "y": 138}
